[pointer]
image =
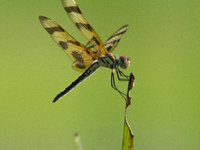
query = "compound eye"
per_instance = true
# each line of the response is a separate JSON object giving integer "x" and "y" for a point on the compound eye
{"x": 124, "y": 62}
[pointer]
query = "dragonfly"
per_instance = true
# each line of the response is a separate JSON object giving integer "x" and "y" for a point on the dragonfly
{"x": 87, "y": 58}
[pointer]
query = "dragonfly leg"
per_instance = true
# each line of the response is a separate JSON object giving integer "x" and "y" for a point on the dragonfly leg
{"x": 114, "y": 85}
{"x": 120, "y": 73}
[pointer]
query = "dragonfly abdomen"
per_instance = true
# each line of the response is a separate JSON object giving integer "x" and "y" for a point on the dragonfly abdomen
{"x": 80, "y": 79}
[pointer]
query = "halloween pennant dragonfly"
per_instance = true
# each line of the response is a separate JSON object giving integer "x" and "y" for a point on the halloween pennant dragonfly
{"x": 95, "y": 53}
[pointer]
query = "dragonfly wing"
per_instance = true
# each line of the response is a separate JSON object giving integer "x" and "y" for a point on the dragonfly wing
{"x": 75, "y": 50}
{"x": 113, "y": 41}
{"x": 80, "y": 79}
{"x": 81, "y": 23}
{"x": 90, "y": 46}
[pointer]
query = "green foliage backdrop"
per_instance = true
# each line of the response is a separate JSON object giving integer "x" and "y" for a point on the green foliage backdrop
{"x": 163, "y": 44}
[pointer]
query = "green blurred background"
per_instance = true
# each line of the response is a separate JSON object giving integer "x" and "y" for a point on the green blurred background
{"x": 163, "y": 42}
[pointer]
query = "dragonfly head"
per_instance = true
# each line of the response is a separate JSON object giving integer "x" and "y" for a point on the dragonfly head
{"x": 124, "y": 62}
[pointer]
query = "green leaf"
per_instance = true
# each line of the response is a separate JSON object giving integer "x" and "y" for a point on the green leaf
{"x": 78, "y": 141}
{"x": 128, "y": 138}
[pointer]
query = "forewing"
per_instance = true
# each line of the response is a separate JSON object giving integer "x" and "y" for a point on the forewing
{"x": 112, "y": 42}
{"x": 81, "y": 23}
{"x": 75, "y": 50}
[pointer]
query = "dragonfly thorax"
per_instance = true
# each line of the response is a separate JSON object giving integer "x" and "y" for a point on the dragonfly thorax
{"x": 108, "y": 61}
